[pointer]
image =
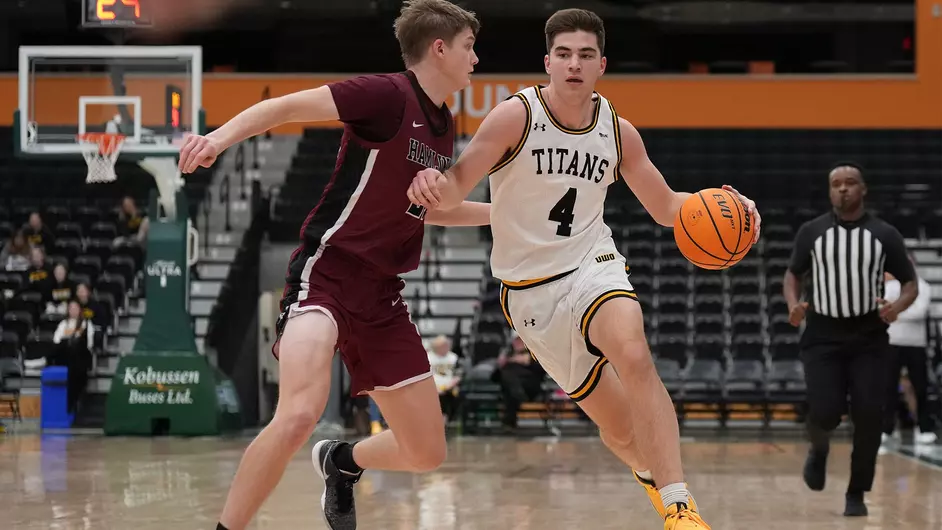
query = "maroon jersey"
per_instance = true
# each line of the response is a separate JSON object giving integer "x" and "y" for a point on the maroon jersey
{"x": 364, "y": 212}
{"x": 364, "y": 232}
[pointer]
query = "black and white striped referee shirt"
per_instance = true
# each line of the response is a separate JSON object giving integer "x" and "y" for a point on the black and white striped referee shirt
{"x": 845, "y": 261}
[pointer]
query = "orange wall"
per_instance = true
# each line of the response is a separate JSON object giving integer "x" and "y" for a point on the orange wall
{"x": 681, "y": 101}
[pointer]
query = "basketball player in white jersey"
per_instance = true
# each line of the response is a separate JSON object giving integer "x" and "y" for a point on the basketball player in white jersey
{"x": 551, "y": 152}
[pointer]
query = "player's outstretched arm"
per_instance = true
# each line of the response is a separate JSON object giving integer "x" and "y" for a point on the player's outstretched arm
{"x": 647, "y": 183}
{"x": 467, "y": 213}
{"x": 645, "y": 180}
{"x": 498, "y": 134}
{"x": 316, "y": 104}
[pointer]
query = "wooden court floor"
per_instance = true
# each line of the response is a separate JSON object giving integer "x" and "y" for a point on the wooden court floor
{"x": 91, "y": 482}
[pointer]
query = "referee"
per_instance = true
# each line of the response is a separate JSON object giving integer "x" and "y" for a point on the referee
{"x": 845, "y": 345}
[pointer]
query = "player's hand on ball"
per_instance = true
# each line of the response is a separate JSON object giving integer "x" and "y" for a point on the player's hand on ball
{"x": 424, "y": 189}
{"x": 198, "y": 151}
{"x": 750, "y": 206}
{"x": 796, "y": 313}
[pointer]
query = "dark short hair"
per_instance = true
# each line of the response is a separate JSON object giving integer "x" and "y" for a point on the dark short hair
{"x": 570, "y": 20}
{"x": 850, "y": 164}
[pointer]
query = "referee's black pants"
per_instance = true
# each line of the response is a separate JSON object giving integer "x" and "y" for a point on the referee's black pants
{"x": 915, "y": 360}
{"x": 834, "y": 371}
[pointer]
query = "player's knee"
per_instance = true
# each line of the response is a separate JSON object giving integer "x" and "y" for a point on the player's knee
{"x": 633, "y": 356}
{"x": 296, "y": 425}
{"x": 428, "y": 455}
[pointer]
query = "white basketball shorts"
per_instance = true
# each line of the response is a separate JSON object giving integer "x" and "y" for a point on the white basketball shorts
{"x": 552, "y": 316}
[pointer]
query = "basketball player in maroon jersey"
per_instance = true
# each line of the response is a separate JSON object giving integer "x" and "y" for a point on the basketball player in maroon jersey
{"x": 343, "y": 288}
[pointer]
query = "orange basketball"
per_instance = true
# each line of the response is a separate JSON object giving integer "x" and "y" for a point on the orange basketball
{"x": 713, "y": 230}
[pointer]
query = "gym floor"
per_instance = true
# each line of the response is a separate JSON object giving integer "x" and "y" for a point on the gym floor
{"x": 94, "y": 482}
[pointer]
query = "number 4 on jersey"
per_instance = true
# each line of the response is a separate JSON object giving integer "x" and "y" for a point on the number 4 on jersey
{"x": 562, "y": 213}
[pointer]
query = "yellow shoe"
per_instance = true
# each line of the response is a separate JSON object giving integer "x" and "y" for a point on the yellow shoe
{"x": 655, "y": 496}
{"x": 681, "y": 517}
{"x": 376, "y": 427}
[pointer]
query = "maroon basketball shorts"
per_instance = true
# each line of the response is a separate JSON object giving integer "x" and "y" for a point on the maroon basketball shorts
{"x": 379, "y": 344}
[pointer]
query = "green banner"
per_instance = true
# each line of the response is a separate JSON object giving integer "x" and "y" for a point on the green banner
{"x": 170, "y": 394}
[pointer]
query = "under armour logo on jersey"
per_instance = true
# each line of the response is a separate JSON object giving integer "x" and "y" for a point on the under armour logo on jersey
{"x": 540, "y": 127}
{"x": 528, "y": 323}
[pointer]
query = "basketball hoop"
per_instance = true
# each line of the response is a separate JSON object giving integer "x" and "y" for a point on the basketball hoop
{"x": 101, "y": 152}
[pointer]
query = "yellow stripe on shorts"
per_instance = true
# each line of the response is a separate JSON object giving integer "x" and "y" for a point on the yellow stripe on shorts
{"x": 504, "y": 293}
{"x": 591, "y": 381}
{"x": 597, "y": 303}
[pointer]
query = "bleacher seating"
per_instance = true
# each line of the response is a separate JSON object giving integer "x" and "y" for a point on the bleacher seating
{"x": 83, "y": 221}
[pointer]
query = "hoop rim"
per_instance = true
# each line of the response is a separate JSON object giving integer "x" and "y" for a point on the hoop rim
{"x": 108, "y": 143}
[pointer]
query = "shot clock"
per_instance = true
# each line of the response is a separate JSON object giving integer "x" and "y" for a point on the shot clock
{"x": 116, "y": 13}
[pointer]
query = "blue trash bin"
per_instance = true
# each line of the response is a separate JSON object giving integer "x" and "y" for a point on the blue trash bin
{"x": 55, "y": 398}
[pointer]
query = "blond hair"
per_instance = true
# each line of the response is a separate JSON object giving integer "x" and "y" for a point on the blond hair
{"x": 422, "y": 22}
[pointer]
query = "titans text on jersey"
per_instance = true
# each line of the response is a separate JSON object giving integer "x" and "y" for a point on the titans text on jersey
{"x": 577, "y": 165}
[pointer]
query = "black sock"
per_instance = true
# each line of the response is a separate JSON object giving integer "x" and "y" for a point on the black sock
{"x": 343, "y": 459}
{"x": 219, "y": 526}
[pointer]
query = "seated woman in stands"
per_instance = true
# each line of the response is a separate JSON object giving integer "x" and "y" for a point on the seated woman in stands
{"x": 447, "y": 374}
{"x": 132, "y": 223}
{"x": 74, "y": 339}
{"x": 38, "y": 274}
{"x": 37, "y": 233}
{"x": 15, "y": 254}
{"x": 521, "y": 380}
{"x": 61, "y": 291}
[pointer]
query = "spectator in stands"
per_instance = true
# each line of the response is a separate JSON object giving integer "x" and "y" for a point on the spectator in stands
{"x": 74, "y": 339}
{"x": 61, "y": 291}
{"x": 521, "y": 379}
{"x": 15, "y": 254}
{"x": 444, "y": 363}
{"x": 908, "y": 343}
{"x": 38, "y": 274}
{"x": 132, "y": 223}
{"x": 90, "y": 309}
{"x": 37, "y": 233}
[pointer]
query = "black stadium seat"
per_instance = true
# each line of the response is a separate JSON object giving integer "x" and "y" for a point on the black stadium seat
{"x": 39, "y": 346}
{"x": 19, "y": 322}
{"x": 28, "y": 301}
{"x": 103, "y": 230}
{"x": 99, "y": 247}
{"x": 116, "y": 286}
{"x": 68, "y": 230}
{"x": 122, "y": 266}
{"x": 68, "y": 247}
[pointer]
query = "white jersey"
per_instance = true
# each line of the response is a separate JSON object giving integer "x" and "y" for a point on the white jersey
{"x": 548, "y": 194}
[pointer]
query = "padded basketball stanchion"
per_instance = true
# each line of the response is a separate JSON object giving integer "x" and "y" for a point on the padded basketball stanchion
{"x": 165, "y": 385}
{"x": 169, "y": 181}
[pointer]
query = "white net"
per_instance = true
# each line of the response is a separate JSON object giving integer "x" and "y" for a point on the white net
{"x": 101, "y": 152}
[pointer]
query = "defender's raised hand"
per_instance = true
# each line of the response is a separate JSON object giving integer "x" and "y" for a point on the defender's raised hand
{"x": 198, "y": 151}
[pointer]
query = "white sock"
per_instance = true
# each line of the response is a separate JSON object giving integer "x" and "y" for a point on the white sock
{"x": 673, "y": 494}
{"x": 646, "y": 475}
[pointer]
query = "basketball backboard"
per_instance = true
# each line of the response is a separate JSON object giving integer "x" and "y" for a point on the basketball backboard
{"x": 150, "y": 94}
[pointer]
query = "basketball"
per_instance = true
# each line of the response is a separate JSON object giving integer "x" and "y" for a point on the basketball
{"x": 713, "y": 230}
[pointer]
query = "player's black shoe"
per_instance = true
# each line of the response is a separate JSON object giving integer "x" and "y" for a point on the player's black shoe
{"x": 337, "y": 501}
